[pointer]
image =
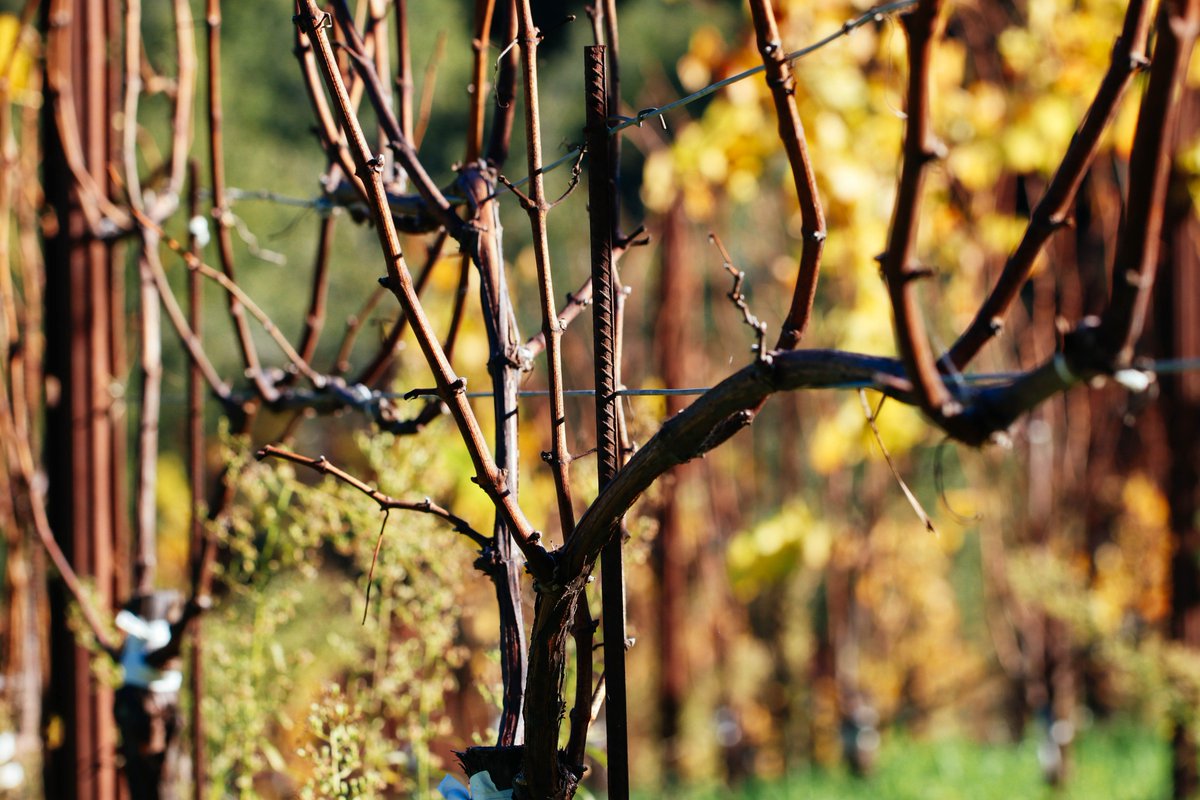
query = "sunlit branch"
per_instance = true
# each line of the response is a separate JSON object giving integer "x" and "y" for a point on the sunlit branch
{"x": 327, "y": 131}
{"x": 537, "y": 211}
{"x": 183, "y": 103}
{"x": 220, "y": 209}
{"x": 354, "y": 326}
{"x": 478, "y": 90}
{"x": 400, "y": 146}
{"x": 708, "y": 422}
{"x": 898, "y": 263}
{"x": 314, "y": 320}
{"x": 450, "y": 386}
{"x": 782, "y": 84}
{"x": 239, "y": 295}
{"x": 133, "y": 90}
{"x": 376, "y": 35}
{"x": 404, "y": 77}
{"x": 576, "y": 303}
{"x": 388, "y": 348}
{"x": 384, "y": 501}
{"x": 1138, "y": 243}
{"x": 1052, "y": 211}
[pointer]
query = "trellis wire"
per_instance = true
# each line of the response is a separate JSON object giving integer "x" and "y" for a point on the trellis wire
{"x": 876, "y": 14}
{"x": 1163, "y": 367}
{"x": 1172, "y": 366}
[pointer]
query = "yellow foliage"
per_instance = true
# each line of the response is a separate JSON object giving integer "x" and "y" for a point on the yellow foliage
{"x": 1120, "y": 136}
{"x": 912, "y": 610}
{"x": 15, "y": 55}
{"x": 173, "y": 503}
{"x": 704, "y": 51}
{"x": 977, "y": 164}
{"x": 846, "y": 439}
{"x": 1021, "y": 50}
{"x": 836, "y": 439}
{"x": 1144, "y": 536}
{"x": 901, "y": 427}
{"x": 1001, "y": 232}
{"x": 776, "y": 547}
{"x": 1146, "y": 505}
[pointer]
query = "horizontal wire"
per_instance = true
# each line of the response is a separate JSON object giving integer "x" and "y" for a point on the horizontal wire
{"x": 1164, "y": 367}
{"x": 875, "y": 14}
{"x": 1169, "y": 366}
{"x": 1175, "y": 365}
{"x": 871, "y": 15}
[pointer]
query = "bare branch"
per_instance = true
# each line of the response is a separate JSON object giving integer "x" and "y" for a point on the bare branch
{"x": 899, "y": 270}
{"x": 425, "y": 108}
{"x": 583, "y": 631}
{"x": 404, "y": 78}
{"x": 375, "y": 35}
{"x": 478, "y": 89}
{"x": 537, "y": 211}
{"x": 220, "y": 210}
{"x": 451, "y": 388}
{"x": 791, "y": 132}
{"x": 576, "y": 171}
{"x": 105, "y": 218}
{"x": 478, "y": 181}
{"x": 237, "y": 294}
{"x": 460, "y": 305}
{"x": 354, "y": 326}
{"x": 32, "y": 485}
{"x": 402, "y": 147}
{"x": 1052, "y": 209}
{"x": 133, "y": 90}
{"x": 146, "y": 518}
{"x": 1138, "y": 243}
{"x": 183, "y": 100}
{"x": 576, "y": 302}
{"x": 506, "y": 88}
{"x": 739, "y": 300}
{"x": 525, "y": 200}
{"x": 327, "y": 130}
{"x": 709, "y": 421}
{"x": 872, "y": 417}
{"x": 314, "y": 321}
{"x": 384, "y": 501}
{"x": 388, "y": 348}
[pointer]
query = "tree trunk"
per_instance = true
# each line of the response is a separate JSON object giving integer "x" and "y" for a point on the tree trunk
{"x": 1178, "y": 336}
{"x": 677, "y": 296}
{"x": 83, "y": 451}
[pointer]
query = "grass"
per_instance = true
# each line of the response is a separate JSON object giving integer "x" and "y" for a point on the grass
{"x": 1115, "y": 761}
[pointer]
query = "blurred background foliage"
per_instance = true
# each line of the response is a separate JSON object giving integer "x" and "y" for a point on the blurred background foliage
{"x": 820, "y": 636}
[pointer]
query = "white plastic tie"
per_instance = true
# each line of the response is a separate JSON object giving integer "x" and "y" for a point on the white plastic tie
{"x": 1135, "y": 380}
{"x": 144, "y": 637}
{"x": 198, "y": 228}
{"x": 482, "y": 788}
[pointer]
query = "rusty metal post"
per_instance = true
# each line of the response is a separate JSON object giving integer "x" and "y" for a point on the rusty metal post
{"x": 612, "y": 569}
